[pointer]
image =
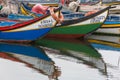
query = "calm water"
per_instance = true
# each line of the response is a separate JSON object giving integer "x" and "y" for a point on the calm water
{"x": 96, "y": 58}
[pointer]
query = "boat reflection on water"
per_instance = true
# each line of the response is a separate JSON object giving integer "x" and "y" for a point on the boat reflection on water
{"x": 109, "y": 48}
{"x": 52, "y": 58}
{"x": 105, "y": 42}
{"x": 74, "y": 50}
{"x": 32, "y": 56}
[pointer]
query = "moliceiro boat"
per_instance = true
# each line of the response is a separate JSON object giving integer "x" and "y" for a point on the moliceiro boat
{"x": 76, "y": 27}
{"x": 28, "y": 30}
{"x": 80, "y": 27}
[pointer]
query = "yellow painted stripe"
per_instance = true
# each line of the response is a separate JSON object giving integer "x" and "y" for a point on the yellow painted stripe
{"x": 105, "y": 43}
{"x": 45, "y": 4}
{"x": 25, "y": 12}
{"x": 112, "y": 3}
{"x": 53, "y": 5}
{"x": 110, "y": 25}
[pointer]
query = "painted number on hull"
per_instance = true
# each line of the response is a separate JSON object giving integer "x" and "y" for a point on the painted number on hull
{"x": 46, "y": 23}
{"x": 97, "y": 19}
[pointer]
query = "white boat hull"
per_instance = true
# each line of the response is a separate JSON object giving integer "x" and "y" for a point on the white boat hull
{"x": 114, "y": 31}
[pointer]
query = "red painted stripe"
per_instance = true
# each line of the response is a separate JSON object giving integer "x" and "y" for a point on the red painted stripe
{"x": 22, "y": 24}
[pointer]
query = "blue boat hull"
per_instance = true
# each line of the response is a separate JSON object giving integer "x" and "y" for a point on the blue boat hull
{"x": 24, "y": 35}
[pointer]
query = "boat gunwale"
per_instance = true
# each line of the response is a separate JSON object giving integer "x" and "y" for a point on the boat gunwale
{"x": 74, "y": 21}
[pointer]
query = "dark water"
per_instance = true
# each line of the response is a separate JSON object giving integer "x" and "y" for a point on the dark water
{"x": 95, "y": 58}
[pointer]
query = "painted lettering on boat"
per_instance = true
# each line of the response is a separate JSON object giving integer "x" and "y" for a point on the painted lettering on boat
{"x": 46, "y": 23}
{"x": 97, "y": 19}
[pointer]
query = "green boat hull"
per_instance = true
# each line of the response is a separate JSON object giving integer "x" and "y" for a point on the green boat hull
{"x": 80, "y": 29}
{"x": 73, "y": 31}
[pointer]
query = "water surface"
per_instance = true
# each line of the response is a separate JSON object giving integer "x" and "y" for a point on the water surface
{"x": 95, "y": 58}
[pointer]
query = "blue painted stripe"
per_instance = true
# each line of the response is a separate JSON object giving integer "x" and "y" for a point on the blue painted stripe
{"x": 112, "y": 22}
{"x": 105, "y": 47}
{"x": 24, "y": 35}
{"x": 6, "y": 23}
